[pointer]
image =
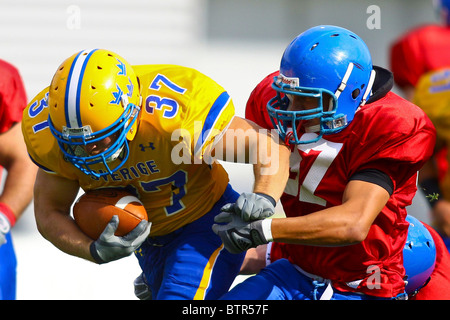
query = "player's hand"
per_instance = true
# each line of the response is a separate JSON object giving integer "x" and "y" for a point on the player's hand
{"x": 5, "y": 227}
{"x": 141, "y": 288}
{"x": 250, "y": 207}
{"x": 109, "y": 247}
{"x": 238, "y": 235}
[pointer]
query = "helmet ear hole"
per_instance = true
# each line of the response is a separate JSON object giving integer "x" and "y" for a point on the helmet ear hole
{"x": 314, "y": 46}
{"x": 355, "y": 93}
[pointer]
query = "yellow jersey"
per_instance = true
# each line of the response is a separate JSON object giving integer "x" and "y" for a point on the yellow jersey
{"x": 183, "y": 113}
{"x": 432, "y": 95}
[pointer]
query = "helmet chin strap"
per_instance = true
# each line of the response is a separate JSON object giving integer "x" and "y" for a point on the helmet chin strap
{"x": 342, "y": 121}
{"x": 347, "y": 75}
{"x": 369, "y": 88}
{"x": 115, "y": 155}
{"x": 343, "y": 84}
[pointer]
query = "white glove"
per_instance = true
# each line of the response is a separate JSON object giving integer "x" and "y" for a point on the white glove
{"x": 109, "y": 247}
{"x": 5, "y": 227}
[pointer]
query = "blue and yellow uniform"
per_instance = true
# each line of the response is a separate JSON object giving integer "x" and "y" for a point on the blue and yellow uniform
{"x": 183, "y": 113}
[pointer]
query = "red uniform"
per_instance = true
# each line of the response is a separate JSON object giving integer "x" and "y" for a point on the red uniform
{"x": 391, "y": 135}
{"x": 12, "y": 96}
{"x": 12, "y": 102}
{"x": 438, "y": 288}
{"x": 419, "y": 51}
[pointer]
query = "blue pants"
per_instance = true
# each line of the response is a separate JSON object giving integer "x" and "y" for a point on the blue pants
{"x": 191, "y": 262}
{"x": 280, "y": 280}
{"x": 8, "y": 264}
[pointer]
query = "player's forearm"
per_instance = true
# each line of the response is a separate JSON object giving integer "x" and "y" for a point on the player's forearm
{"x": 18, "y": 190}
{"x": 271, "y": 178}
{"x": 53, "y": 197}
{"x": 323, "y": 228}
{"x": 344, "y": 224}
{"x": 61, "y": 230}
{"x": 272, "y": 168}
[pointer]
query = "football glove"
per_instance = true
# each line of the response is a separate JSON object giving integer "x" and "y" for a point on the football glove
{"x": 251, "y": 206}
{"x": 141, "y": 288}
{"x": 109, "y": 247}
{"x": 238, "y": 235}
{"x": 5, "y": 227}
{"x": 7, "y": 221}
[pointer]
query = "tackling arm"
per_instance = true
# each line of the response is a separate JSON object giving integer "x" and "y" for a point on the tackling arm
{"x": 345, "y": 224}
{"x": 247, "y": 141}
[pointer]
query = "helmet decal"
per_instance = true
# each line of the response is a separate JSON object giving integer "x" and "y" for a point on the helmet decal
{"x": 117, "y": 95}
{"x": 122, "y": 68}
{"x": 130, "y": 88}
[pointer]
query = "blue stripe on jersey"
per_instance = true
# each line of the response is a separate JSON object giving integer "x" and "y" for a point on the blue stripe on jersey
{"x": 216, "y": 109}
{"x": 40, "y": 166}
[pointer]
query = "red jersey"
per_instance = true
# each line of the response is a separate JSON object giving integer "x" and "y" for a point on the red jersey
{"x": 414, "y": 57}
{"x": 438, "y": 288}
{"x": 419, "y": 51}
{"x": 391, "y": 135}
{"x": 12, "y": 96}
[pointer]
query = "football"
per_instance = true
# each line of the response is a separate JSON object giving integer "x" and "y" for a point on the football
{"x": 94, "y": 209}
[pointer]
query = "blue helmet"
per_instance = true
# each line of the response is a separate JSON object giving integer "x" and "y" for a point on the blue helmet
{"x": 419, "y": 255}
{"x": 324, "y": 61}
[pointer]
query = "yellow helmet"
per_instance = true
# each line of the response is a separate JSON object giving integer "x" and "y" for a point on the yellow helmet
{"x": 93, "y": 95}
